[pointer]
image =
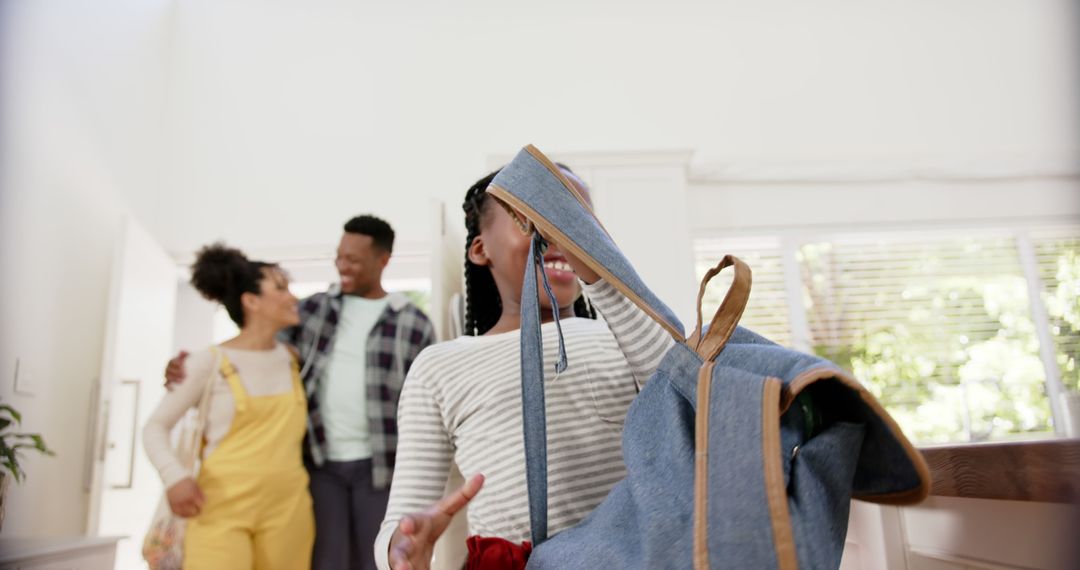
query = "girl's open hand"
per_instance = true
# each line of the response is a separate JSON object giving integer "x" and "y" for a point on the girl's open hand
{"x": 414, "y": 540}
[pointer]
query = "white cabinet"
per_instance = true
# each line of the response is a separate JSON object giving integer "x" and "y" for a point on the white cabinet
{"x": 74, "y": 553}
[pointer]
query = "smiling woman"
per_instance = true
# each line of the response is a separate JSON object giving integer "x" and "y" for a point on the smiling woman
{"x": 239, "y": 515}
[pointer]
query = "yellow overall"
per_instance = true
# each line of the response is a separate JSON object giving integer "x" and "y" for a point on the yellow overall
{"x": 258, "y": 510}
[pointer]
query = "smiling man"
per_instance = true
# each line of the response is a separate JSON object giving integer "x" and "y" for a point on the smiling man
{"x": 357, "y": 343}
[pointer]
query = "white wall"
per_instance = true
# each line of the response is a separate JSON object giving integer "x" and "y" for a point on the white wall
{"x": 306, "y": 112}
{"x": 734, "y": 207}
{"x": 82, "y": 96}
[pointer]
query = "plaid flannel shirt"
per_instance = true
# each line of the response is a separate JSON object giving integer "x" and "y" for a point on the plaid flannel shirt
{"x": 400, "y": 333}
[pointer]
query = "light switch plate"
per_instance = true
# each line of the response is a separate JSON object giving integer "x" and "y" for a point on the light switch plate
{"x": 25, "y": 381}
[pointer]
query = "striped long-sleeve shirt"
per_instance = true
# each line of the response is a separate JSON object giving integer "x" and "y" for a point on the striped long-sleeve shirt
{"x": 462, "y": 402}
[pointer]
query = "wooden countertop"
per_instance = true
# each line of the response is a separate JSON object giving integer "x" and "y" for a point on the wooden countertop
{"x": 1042, "y": 471}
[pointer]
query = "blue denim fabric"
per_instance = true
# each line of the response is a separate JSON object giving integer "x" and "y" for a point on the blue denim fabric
{"x": 532, "y": 389}
{"x": 647, "y": 519}
{"x": 529, "y": 180}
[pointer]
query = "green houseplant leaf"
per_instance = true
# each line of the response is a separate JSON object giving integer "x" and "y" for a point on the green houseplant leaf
{"x": 12, "y": 444}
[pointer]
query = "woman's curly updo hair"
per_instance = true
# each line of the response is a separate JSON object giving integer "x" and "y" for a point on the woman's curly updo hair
{"x": 224, "y": 274}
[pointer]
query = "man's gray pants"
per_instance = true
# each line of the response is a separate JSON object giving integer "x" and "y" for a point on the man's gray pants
{"x": 348, "y": 512}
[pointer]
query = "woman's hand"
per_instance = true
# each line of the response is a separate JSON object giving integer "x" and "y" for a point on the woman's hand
{"x": 185, "y": 498}
{"x": 174, "y": 370}
{"x": 413, "y": 541}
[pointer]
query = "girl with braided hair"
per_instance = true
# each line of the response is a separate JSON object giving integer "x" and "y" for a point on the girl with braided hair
{"x": 483, "y": 306}
{"x": 461, "y": 402}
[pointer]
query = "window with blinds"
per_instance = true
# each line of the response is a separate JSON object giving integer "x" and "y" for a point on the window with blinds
{"x": 939, "y": 326}
{"x": 939, "y": 329}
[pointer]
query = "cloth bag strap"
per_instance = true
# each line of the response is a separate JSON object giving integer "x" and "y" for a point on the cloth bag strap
{"x": 190, "y": 444}
{"x": 534, "y": 416}
{"x": 728, "y": 314}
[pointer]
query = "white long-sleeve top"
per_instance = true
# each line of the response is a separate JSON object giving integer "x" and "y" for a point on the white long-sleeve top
{"x": 262, "y": 373}
{"x": 461, "y": 402}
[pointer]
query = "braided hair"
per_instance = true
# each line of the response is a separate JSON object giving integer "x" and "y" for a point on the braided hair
{"x": 483, "y": 305}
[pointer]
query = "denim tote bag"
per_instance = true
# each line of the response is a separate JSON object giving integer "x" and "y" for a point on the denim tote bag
{"x": 739, "y": 453}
